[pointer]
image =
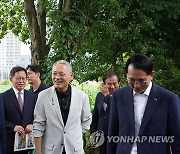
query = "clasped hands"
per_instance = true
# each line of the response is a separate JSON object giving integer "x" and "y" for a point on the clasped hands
{"x": 22, "y": 131}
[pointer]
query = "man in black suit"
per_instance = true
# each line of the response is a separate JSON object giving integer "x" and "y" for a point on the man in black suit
{"x": 100, "y": 118}
{"x": 34, "y": 73}
{"x": 18, "y": 106}
{"x": 144, "y": 117}
{"x": 2, "y": 127}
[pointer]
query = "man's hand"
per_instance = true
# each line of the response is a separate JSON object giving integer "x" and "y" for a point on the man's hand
{"x": 29, "y": 128}
{"x": 38, "y": 144}
{"x": 19, "y": 129}
{"x": 104, "y": 90}
{"x": 38, "y": 152}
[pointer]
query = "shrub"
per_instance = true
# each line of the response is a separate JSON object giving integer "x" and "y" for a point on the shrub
{"x": 5, "y": 82}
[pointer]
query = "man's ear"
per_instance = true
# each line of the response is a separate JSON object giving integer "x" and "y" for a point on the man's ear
{"x": 38, "y": 74}
{"x": 10, "y": 79}
{"x": 152, "y": 74}
{"x": 72, "y": 75}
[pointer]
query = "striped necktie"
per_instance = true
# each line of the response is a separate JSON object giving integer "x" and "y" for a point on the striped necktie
{"x": 20, "y": 101}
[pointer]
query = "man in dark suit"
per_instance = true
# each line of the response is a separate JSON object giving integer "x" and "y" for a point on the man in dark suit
{"x": 34, "y": 73}
{"x": 2, "y": 127}
{"x": 145, "y": 118}
{"x": 100, "y": 118}
{"x": 18, "y": 106}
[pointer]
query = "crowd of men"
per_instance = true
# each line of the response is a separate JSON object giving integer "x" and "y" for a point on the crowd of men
{"x": 141, "y": 118}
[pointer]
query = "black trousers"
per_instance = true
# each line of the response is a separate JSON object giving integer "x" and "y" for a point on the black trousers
{"x": 64, "y": 151}
{"x": 18, "y": 152}
{"x": 102, "y": 150}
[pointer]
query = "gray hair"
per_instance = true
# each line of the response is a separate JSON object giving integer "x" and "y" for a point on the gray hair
{"x": 65, "y": 63}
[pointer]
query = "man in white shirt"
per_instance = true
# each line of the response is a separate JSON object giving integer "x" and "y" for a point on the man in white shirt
{"x": 18, "y": 107}
{"x": 144, "y": 118}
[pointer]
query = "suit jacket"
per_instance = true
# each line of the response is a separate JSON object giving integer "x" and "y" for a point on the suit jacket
{"x": 2, "y": 127}
{"x": 49, "y": 125}
{"x": 14, "y": 116}
{"x": 161, "y": 119}
{"x": 100, "y": 118}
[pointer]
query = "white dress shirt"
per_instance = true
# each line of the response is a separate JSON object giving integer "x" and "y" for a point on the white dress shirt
{"x": 140, "y": 101}
{"x": 16, "y": 93}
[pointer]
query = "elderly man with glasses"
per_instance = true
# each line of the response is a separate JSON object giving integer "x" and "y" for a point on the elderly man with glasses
{"x": 62, "y": 114}
{"x": 18, "y": 107}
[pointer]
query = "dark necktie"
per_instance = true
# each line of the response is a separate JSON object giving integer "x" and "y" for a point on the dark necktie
{"x": 20, "y": 101}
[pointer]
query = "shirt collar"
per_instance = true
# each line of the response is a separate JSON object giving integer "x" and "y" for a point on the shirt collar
{"x": 147, "y": 91}
{"x": 66, "y": 93}
{"x": 40, "y": 88}
{"x": 16, "y": 91}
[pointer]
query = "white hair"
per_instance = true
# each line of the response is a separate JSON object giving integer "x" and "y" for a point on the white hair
{"x": 65, "y": 63}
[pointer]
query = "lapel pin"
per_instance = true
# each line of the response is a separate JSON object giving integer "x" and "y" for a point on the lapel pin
{"x": 52, "y": 102}
{"x": 155, "y": 99}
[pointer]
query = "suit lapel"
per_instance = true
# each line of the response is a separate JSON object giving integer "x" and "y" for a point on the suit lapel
{"x": 14, "y": 100}
{"x": 100, "y": 104}
{"x": 55, "y": 104}
{"x": 28, "y": 101}
{"x": 25, "y": 107}
{"x": 152, "y": 103}
{"x": 129, "y": 102}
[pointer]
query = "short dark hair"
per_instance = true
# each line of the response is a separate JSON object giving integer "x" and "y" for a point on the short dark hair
{"x": 140, "y": 61}
{"x": 110, "y": 74}
{"x": 35, "y": 68}
{"x": 16, "y": 69}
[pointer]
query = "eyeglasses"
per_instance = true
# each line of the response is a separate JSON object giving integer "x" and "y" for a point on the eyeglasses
{"x": 140, "y": 81}
{"x": 59, "y": 74}
{"x": 20, "y": 78}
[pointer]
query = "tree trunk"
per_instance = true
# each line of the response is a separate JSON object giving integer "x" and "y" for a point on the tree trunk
{"x": 37, "y": 30}
{"x": 36, "y": 20}
{"x": 67, "y": 6}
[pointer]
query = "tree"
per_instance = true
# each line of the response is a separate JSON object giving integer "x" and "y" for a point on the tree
{"x": 28, "y": 20}
{"x": 118, "y": 29}
{"x": 98, "y": 36}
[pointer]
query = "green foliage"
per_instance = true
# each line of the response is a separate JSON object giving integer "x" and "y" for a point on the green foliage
{"x": 114, "y": 30}
{"x": 168, "y": 76}
{"x": 12, "y": 18}
{"x": 4, "y": 88}
{"x": 5, "y": 82}
{"x": 99, "y": 36}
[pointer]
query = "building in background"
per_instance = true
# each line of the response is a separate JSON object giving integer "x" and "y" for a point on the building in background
{"x": 10, "y": 55}
{"x": 24, "y": 60}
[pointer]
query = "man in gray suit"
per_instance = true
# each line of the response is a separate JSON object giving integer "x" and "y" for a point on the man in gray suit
{"x": 62, "y": 114}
